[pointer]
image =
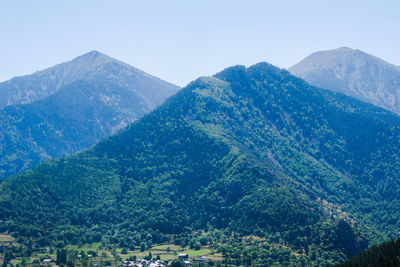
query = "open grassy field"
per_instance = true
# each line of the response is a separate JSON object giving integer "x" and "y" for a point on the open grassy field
{"x": 197, "y": 253}
{"x": 6, "y": 238}
{"x": 166, "y": 246}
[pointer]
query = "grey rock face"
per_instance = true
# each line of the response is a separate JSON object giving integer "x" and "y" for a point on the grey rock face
{"x": 353, "y": 73}
{"x": 88, "y": 67}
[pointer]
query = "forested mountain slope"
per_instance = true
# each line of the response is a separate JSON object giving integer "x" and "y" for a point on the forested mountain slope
{"x": 354, "y": 73}
{"x": 109, "y": 96}
{"x": 251, "y": 150}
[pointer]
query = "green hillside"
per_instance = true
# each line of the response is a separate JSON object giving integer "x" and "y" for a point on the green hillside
{"x": 251, "y": 151}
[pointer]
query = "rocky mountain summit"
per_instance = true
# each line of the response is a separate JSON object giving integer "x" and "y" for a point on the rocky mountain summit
{"x": 354, "y": 73}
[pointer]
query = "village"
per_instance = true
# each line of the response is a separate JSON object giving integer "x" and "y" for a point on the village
{"x": 97, "y": 255}
{"x": 183, "y": 259}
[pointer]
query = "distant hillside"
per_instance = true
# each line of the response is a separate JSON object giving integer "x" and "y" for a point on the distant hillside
{"x": 254, "y": 151}
{"x": 386, "y": 254}
{"x": 353, "y": 73}
{"x": 72, "y": 114}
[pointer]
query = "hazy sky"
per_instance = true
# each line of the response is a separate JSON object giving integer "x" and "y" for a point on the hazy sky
{"x": 181, "y": 40}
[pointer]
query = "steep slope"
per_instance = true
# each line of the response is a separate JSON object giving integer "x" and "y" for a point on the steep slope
{"x": 88, "y": 67}
{"x": 353, "y": 73}
{"x": 254, "y": 151}
{"x": 108, "y": 96}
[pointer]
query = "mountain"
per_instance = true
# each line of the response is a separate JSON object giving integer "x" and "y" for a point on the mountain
{"x": 75, "y": 105}
{"x": 248, "y": 152}
{"x": 353, "y": 73}
{"x": 88, "y": 67}
{"x": 386, "y": 254}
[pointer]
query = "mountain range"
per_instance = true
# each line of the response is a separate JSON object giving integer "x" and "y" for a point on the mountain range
{"x": 354, "y": 73}
{"x": 70, "y": 107}
{"x": 248, "y": 151}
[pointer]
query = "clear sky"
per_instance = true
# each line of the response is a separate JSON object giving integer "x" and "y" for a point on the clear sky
{"x": 181, "y": 40}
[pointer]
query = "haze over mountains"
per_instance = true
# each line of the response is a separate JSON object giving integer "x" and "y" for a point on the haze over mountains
{"x": 70, "y": 107}
{"x": 353, "y": 73}
{"x": 253, "y": 150}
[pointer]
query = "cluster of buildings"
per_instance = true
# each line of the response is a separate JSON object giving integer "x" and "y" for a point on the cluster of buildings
{"x": 158, "y": 263}
{"x": 143, "y": 263}
{"x": 185, "y": 259}
{"x": 46, "y": 262}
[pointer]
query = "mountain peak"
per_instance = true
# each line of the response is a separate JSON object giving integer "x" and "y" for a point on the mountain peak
{"x": 92, "y": 59}
{"x": 29, "y": 88}
{"x": 354, "y": 73}
{"x": 92, "y": 89}
{"x": 95, "y": 54}
{"x": 344, "y": 49}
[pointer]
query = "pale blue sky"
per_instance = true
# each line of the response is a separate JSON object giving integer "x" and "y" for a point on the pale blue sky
{"x": 181, "y": 40}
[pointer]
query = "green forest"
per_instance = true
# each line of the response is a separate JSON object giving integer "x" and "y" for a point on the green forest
{"x": 248, "y": 152}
